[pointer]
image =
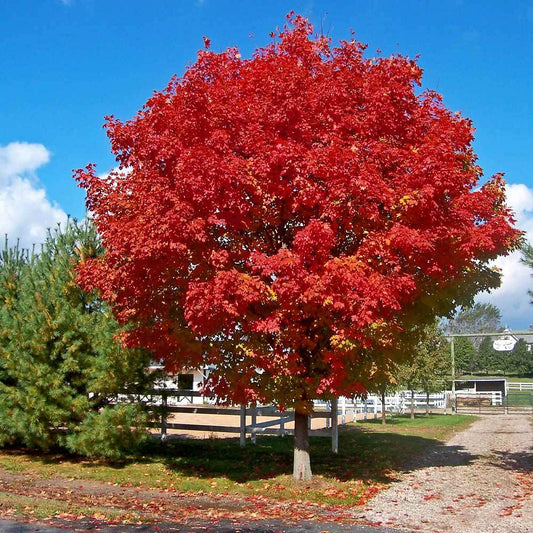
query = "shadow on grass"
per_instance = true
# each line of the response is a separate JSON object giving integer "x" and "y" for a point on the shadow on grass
{"x": 367, "y": 452}
{"x": 363, "y": 455}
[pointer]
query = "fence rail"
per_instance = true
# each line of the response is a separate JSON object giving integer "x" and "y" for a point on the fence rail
{"x": 520, "y": 386}
{"x": 166, "y": 402}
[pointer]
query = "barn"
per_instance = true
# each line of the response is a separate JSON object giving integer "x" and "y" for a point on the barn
{"x": 482, "y": 385}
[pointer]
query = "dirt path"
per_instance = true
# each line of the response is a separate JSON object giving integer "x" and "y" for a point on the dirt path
{"x": 480, "y": 481}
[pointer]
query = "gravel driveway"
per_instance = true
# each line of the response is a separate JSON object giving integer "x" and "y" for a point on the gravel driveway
{"x": 481, "y": 481}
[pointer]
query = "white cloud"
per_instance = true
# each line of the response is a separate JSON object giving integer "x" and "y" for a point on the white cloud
{"x": 25, "y": 211}
{"x": 21, "y": 159}
{"x": 512, "y": 297}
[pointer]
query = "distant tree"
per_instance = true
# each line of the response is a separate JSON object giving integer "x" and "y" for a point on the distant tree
{"x": 465, "y": 355}
{"x": 435, "y": 352}
{"x": 60, "y": 362}
{"x": 480, "y": 318}
{"x": 527, "y": 259}
{"x": 408, "y": 377}
{"x": 488, "y": 359}
{"x": 519, "y": 360}
{"x": 383, "y": 382}
{"x": 429, "y": 366}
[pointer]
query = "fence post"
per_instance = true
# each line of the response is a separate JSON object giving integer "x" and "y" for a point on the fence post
{"x": 243, "y": 426}
{"x": 254, "y": 422}
{"x": 329, "y": 409}
{"x": 343, "y": 410}
{"x": 505, "y": 403}
{"x": 334, "y": 426}
{"x": 164, "y": 405}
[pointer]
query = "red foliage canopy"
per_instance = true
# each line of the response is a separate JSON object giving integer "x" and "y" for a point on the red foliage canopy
{"x": 289, "y": 217}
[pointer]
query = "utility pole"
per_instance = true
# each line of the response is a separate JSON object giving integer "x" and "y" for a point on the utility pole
{"x": 452, "y": 349}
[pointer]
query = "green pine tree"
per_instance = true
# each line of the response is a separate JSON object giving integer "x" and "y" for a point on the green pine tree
{"x": 61, "y": 363}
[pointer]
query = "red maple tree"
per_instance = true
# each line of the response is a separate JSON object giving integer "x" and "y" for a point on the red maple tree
{"x": 292, "y": 219}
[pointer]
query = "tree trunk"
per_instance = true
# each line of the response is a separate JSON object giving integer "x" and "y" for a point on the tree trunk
{"x": 427, "y": 403}
{"x": 302, "y": 461}
{"x": 383, "y": 410}
{"x": 412, "y": 404}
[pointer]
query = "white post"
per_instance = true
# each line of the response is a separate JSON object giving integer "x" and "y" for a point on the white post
{"x": 243, "y": 426}
{"x": 164, "y": 413}
{"x": 334, "y": 426}
{"x": 254, "y": 422}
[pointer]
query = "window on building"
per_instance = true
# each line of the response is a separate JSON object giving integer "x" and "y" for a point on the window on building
{"x": 185, "y": 381}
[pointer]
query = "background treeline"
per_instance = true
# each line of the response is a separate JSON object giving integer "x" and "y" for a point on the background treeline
{"x": 480, "y": 357}
{"x": 476, "y": 355}
{"x": 61, "y": 365}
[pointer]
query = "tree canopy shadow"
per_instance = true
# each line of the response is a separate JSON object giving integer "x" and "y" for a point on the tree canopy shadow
{"x": 363, "y": 455}
{"x": 515, "y": 461}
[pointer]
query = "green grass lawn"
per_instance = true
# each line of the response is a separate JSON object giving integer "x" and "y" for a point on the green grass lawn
{"x": 520, "y": 398}
{"x": 369, "y": 457}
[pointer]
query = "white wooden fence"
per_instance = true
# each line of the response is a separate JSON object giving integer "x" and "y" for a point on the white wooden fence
{"x": 397, "y": 403}
{"x": 170, "y": 401}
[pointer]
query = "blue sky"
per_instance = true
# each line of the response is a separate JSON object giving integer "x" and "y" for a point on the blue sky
{"x": 66, "y": 64}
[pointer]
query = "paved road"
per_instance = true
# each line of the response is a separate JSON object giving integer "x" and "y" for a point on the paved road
{"x": 262, "y": 526}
